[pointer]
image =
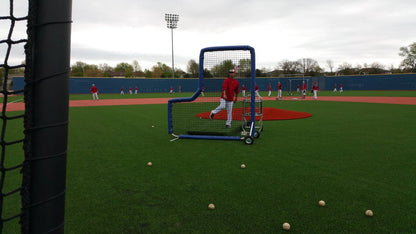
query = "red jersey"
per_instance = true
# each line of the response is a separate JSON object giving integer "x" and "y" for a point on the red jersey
{"x": 303, "y": 86}
{"x": 231, "y": 87}
{"x": 243, "y": 88}
{"x": 340, "y": 86}
{"x": 257, "y": 88}
{"x": 121, "y": 89}
{"x": 136, "y": 89}
{"x": 269, "y": 87}
{"x": 94, "y": 89}
{"x": 298, "y": 86}
{"x": 315, "y": 87}
{"x": 279, "y": 86}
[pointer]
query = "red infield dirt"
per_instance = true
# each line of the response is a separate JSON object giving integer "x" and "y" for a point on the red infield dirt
{"x": 18, "y": 106}
{"x": 269, "y": 113}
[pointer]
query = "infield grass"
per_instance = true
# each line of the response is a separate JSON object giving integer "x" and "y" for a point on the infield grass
{"x": 355, "y": 156}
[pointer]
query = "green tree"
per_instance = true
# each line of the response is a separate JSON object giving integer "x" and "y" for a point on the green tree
{"x": 409, "y": 55}
{"x": 78, "y": 69}
{"x": 193, "y": 68}
{"x": 222, "y": 69}
{"x": 92, "y": 71}
{"x": 244, "y": 67}
{"x": 148, "y": 73}
{"x": 126, "y": 68}
{"x": 105, "y": 69}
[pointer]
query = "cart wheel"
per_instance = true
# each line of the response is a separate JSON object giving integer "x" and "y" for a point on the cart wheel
{"x": 248, "y": 140}
{"x": 256, "y": 134}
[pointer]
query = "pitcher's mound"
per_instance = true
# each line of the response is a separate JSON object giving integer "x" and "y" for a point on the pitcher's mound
{"x": 269, "y": 113}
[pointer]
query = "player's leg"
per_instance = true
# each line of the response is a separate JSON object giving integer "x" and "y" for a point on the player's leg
{"x": 229, "y": 113}
{"x": 219, "y": 108}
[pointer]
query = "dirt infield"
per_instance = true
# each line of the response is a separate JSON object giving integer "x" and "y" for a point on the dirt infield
{"x": 269, "y": 113}
{"x": 19, "y": 106}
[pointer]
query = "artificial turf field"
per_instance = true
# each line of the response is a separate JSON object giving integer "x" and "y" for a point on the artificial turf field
{"x": 355, "y": 156}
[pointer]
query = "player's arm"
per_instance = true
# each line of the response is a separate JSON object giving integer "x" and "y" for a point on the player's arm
{"x": 224, "y": 94}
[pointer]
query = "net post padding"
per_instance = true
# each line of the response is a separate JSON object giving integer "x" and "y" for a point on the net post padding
{"x": 46, "y": 116}
{"x": 174, "y": 104}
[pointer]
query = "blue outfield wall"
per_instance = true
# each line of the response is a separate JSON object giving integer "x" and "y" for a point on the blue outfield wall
{"x": 150, "y": 85}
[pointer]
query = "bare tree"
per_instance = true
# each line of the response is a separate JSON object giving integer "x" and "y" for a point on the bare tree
{"x": 330, "y": 64}
{"x": 136, "y": 66}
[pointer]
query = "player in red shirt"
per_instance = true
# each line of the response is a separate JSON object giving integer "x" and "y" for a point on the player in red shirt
{"x": 303, "y": 89}
{"x": 230, "y": 90}
{"x": 340, "y": 88}
{"x": 94, "y": 92}
{"x": 335, "y": 88}
{"x": 257, "y": 91}
{"x": 315, "y": 89}
{"x": 279, "y": 91}
{"x": 202, "y": 91}
{"x": 171, "y": 90}
{"x": 122, "y": 91}
{"x": 243, "y": 90}
{"x": 135, "y": 90}
{"x": 269, "y": 88}
{"x": 130, "y": 90}
{"x": 298, "y": 88}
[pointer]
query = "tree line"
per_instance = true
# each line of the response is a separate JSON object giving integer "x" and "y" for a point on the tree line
{"x": 304, "y": 67}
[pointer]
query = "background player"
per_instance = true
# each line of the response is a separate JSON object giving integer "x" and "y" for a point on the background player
{"x": 230, "y": 90}
{"x": 303, "y": 90}
{"x": 315, "y": 89}
{"x": 269, "y": 89}
{"x": 279, "y": 91}
{"x": 94, "y": 92}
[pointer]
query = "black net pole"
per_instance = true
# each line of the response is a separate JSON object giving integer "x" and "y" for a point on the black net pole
{"x": 46, "y": 115}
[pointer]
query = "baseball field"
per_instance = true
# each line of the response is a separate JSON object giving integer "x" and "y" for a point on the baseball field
{"x": 355, "y": 156}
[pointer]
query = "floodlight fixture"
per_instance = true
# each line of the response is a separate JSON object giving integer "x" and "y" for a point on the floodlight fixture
{"x": 172, "y": 23}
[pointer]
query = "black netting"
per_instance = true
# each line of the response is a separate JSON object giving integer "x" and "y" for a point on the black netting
{"x": 13, "y": 39}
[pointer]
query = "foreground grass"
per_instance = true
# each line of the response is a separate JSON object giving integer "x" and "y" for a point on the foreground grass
{"x": 355, "y": 156}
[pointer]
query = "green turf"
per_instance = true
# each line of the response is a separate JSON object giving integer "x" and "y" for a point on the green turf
{"x": 355, "y": 156}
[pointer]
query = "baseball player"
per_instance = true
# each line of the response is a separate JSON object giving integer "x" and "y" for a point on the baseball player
{"x": 269, "y": 89}
{"x": 243, "y": 90}
{"x": 94, "y": 92}
{"x": 230, "y": 90}
{"x": 122, "y": 91}
{"x": 279, "y": 91}
{"x": 257, "y": 91}
{"x": 315, "y": 89}
{"x": 303, "y": 90}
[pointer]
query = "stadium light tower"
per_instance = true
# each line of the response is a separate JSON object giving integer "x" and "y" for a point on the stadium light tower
{"x": 172, "y": 23}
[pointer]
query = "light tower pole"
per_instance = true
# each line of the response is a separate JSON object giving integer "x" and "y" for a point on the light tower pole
{"x": 172, "y": 23}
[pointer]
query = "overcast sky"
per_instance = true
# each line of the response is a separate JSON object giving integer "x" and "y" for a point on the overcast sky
{"x": 353, "y": 31}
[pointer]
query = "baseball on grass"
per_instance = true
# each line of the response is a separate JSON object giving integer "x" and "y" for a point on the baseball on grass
{"x": 153, "y": 126}
{"x": 211, "y": 206}
{"x": 321, "y": 203}
{"x": 369, "y": 213}
{"x": 286, "y": 226}
{"x": 149, "y": 164}
{"x": 243, "y": 166}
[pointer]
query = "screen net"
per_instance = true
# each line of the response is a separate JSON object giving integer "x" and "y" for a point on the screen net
{"x": 192, "y": 116}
